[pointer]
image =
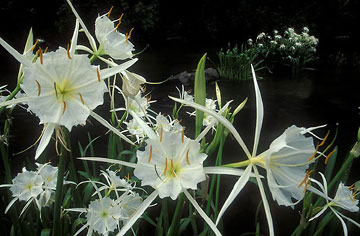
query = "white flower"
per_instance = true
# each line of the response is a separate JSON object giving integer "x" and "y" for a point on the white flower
{"x": 135, "y": 129}
{"x": 260, "y": 36}
{"x": 170, "y": 163}
{"x": 290, "y": 140}
{"x": 128, "y": 203}
{"x": 131, "y": 83}
{"x": 344, "y": 198}
{"x": 167, "y": 124}
{"x": 282, "y": 47}
{"x": 250, "y": 41}
{"x": 286, "y": 163}
{"x": 49, "y": 176}
{"x": 277, "y": 37}
{"x": 62, "y": 88}
{"x": 114, "y": 43}
{"x": 306, "y": 29}
{"x": 103, "y": 214}
{"x": 27, "y": 185}
{"x": 260, "y": 45}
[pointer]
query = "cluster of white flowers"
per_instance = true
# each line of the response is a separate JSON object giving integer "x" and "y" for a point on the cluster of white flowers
{"x": 34, "y": 186}
{"x": 109, "y": 211}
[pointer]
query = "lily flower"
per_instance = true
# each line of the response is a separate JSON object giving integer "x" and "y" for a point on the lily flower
{"x": 344, "y": 198}
{"x": 285, "y": 161}
{"x": 34, "y": 186}
{"x": 112, "y": 42}
{"x": 62, "y": 88}
{"x": 171, "y": 163}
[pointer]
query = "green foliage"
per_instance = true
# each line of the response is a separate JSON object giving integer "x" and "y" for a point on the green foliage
{"x": 235, "y": 63}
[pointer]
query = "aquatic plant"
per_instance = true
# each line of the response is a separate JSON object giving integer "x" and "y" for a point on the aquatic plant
{"x": 154, "y": 170}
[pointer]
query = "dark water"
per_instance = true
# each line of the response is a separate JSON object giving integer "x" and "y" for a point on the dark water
{"x": 314, "y": 99}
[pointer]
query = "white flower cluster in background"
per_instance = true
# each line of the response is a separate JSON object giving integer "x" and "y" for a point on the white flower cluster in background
{"x": 34, "y": 186}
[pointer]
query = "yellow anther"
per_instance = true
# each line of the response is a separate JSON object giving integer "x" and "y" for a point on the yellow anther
{"x": 46, "y": 49}
{"x": 98, "y": 74}
{"x": 187, "y": 157}
{"x": 161, "y": 132}
{"x": 118, "y": 24}
{"x": 305, "y": 180}
{"x": 172, "y": 168}
{"x": 108, "y": 15}
{"x": 64, "y": 107}
{"x": 39, "y": 88}
{"x": 148, "y": 99}
{"x": 150, "y": 154}
{"x": 182, "y": 134}
{"x": 33, "y": 47}
{"x": 81, "y": 99}
{"x": 41, "y": 55}
{"x": 322, "y": 143}
{"x": 128, "y": 35}
{"x": 313, "y": 156}
{"x": 68, "y": 51}
{"x": 165, "y": 168}
{"x": 351, "y": 187}
{"x": 328, "y": 156}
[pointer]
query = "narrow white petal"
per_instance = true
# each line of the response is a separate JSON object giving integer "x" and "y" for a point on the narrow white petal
{"x": 110, "y": 127}
{"x": 84, "y": 48}
{"x": 81, "y": 229}
{"x": 74, "y": 38}
{"x": 265, "y": 203}
{"x": 45, "y": 139}
{"x": 259, "y": 112}
{"x": 239, "y": 185}
{"x": 349, "y": 219}
{"x": 10, "y": 204}
{"x": 14, "y": 101}
{"x": 139, "y": 211}
{"x": 148, "y": 131}
{"x": 202, "y": 213}
{"x": 81, "y": 210}
{"x": 319, "y": 213}
{"x": 341, "y": 220}
{"x": 107, "y": 160}
{"x": 106, "y": 73}
{"x": 87, "y": 33}
{"x": 220, "y": 118}
{"x": 225, "y": 171}
{"x": 19, "y": 57}
{"x": 25, "y": 207}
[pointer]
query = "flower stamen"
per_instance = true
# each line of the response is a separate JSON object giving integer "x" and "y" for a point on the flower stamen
{"x": 150, "y": 154}
{"x": 108, "y": 15}
{"x": 182, "y": 135}
{"x": 39, "y": 88}
{"x": 81, "y": 99}
{"x": 328, "y": 156}
{"x": 315, "y": 152}
{"x": 117, "y": 26}
{"x": 56, "y": 91}
{"x": 172, "y": 168}
{"x": 165, "y": 168}
{"x": 40, "y": 55}
{"x": 161, "y": 132}
{"x": 187, "y": 157}
{"x": 128, "y": 35}
{"x": 64, "y": 107}
{"x": 306, "y": 180}
{"x": 98, "y": 74}
{"x": 34, "y": 46}
{"x": 68, "y": 51}
{"x": 46, "y": 49}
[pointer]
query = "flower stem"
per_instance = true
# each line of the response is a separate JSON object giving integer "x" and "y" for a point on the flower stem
{"x": 238, "y": 164}
{"x": 176, "y": 218}
{"x": 58, "y": 194}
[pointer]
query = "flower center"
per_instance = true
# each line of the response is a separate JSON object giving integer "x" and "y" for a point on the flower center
{"x": 104, "y": 214}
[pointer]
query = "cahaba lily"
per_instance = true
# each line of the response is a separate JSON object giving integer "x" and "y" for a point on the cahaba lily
{"x": 62, "y": 88}
{"x": 285, "y": 161}
{"x": 172, "y": 164}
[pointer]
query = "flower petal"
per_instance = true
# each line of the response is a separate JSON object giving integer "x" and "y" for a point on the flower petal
{"x": 19, "y": 57}
{"x": 139, "y": 211}
{"x": 202, "y": 213}
{"x": 220, "y": 118}
{"x": 46, "y": 136}
{"x": 259, "y": 112}
{"x": 239, "y": 185}
{"x": 106, "y": 73}
{"x": 341, "y": 220}
{"x": 107, "y": 160}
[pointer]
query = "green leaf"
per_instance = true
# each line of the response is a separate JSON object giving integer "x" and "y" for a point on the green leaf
{"x": 200, "y": 93}
{"x": 45, "y": 232}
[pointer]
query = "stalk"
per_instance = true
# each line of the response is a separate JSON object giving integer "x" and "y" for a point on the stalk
{"x": 58, "y": 194}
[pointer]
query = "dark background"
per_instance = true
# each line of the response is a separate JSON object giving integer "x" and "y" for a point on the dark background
{"x": 178, "y": 34}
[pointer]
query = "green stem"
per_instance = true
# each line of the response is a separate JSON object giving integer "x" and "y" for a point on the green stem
{"x": 58, "y": 194}
{"x": 176, "y": 218}
{"x": 165, "y": 215}
{"x": 343, "y": 168}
